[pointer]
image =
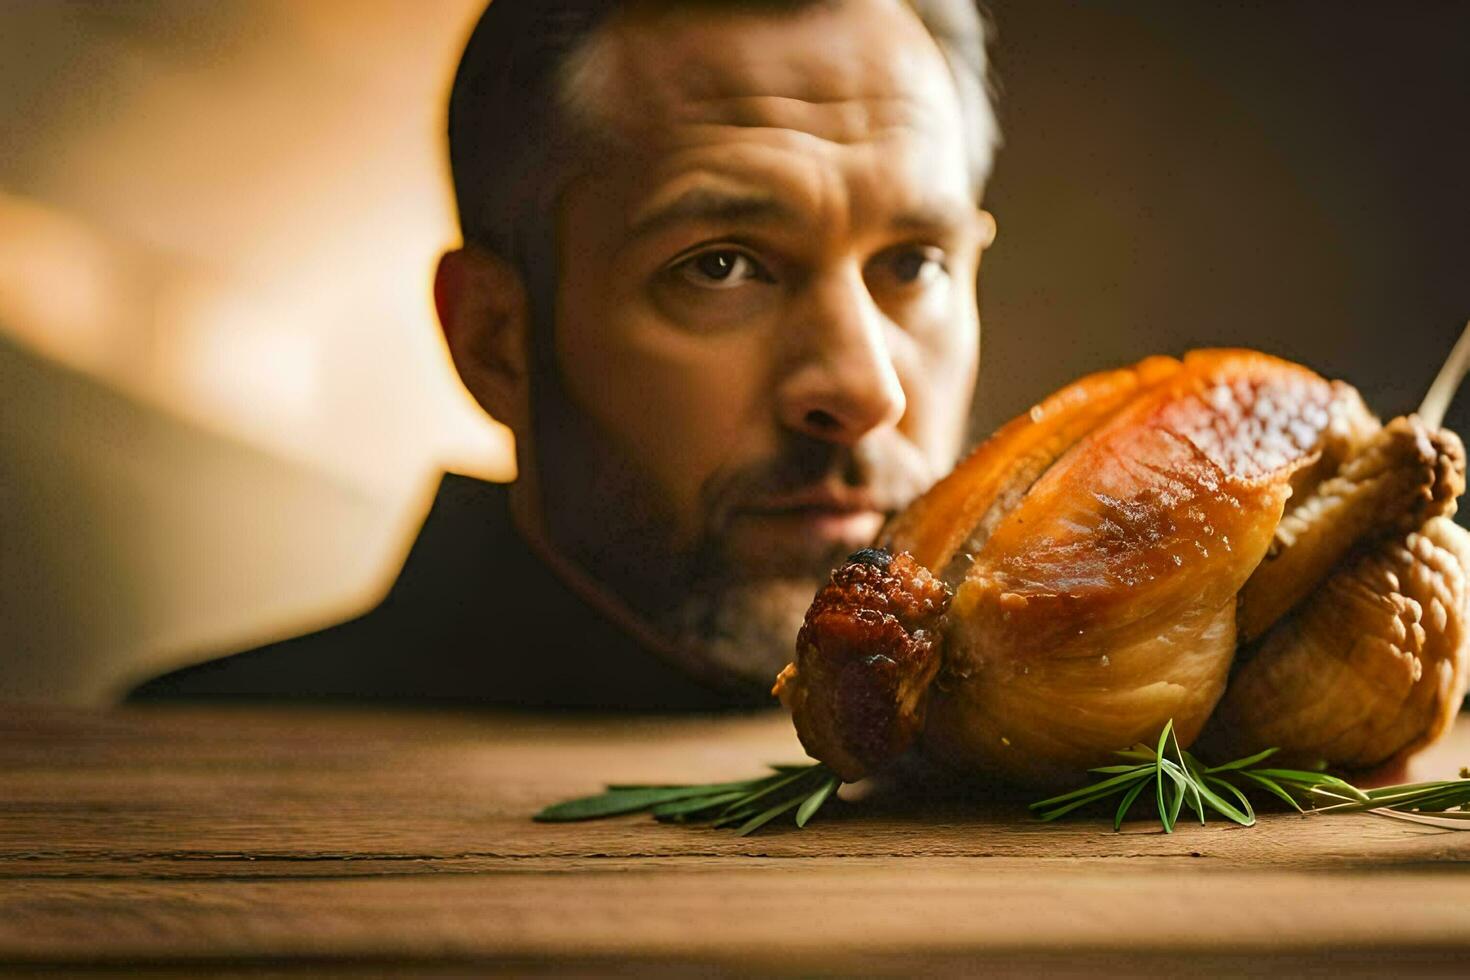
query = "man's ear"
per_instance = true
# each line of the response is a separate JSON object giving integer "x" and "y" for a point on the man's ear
{"x": 987, "y": 229}
{"x": 486, "y": 318}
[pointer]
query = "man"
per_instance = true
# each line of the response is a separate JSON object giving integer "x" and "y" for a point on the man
{"x": 719, "y": 279}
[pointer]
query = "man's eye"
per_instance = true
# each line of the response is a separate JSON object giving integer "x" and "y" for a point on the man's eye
{"x": 916, "y": 265}
{"x": 720, "y": 268}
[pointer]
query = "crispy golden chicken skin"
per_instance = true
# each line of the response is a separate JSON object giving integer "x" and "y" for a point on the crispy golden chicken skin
{"x": 1097, "y": 548}
{"x": 958, "y": 513}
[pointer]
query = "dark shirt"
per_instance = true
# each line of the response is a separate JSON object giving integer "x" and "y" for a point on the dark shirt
{"x": 475, "y": 617}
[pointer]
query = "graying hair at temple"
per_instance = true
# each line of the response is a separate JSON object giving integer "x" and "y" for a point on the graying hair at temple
{"x": 507, "y": 139}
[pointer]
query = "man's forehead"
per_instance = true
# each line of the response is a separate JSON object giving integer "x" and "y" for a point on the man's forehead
{"x": 839, "y": 71}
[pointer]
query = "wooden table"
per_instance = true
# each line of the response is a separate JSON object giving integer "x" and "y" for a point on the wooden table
{"x": 194, "y": 841}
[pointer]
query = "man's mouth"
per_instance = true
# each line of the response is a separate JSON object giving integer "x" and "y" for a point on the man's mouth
{"x": 821, "y": 516}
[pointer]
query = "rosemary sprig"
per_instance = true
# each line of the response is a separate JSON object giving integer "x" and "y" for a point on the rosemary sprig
{"x": 1185, "y": 780}
{"x": 1177, "y": 779}
{"x": 749, "y": 804}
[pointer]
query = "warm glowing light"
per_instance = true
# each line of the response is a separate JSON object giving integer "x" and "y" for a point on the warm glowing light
{"x": 232, "y": 220}
{"x": 248, "y": 244}
{"x": 59, "y": 283}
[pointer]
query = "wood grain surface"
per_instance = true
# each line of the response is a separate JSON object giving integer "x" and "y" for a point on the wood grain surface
{"x": 232, "y": 841}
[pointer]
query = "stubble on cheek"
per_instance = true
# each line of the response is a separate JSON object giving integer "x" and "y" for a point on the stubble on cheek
{"x": 607, "y": 514}
{"x": 746, "y": 630}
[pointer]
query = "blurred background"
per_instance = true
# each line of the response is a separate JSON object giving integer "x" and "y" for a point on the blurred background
{"x": 224, "y": 404}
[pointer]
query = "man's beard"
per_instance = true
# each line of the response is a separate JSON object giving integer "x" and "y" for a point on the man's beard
{"x": 744, "y": 630}
{"x": 732, "y": 624}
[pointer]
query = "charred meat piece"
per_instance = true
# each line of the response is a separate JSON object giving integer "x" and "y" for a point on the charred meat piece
{"x": 865, "y": 658}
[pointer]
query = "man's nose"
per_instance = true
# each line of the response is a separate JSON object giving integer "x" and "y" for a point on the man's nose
{"x": 844, "y": 383}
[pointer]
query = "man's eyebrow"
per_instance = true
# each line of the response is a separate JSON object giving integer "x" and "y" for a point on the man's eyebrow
{"x": 938, "y": 215}
{"x": 712, "y": 206}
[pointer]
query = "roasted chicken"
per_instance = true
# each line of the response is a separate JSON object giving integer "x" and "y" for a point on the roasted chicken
{"x": 1227, "y": 539}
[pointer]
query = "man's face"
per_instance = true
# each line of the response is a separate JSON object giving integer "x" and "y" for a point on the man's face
{"x": 765, "y": 334}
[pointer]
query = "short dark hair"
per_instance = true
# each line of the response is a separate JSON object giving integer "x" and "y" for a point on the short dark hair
{"x": 505, "y": 134}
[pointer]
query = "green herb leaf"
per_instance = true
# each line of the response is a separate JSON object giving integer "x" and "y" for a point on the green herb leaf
{"x": 1223, "y": 789}
{"x": 814, "y": 802}
{"x": 1116, "y": 781}
{"x": 1272, "y": 786}
{"x": 752, "y": 801}
{"x": 1128, "y": 799}
{"x": 1178, "y": 781}
{"x": 677, "y": 808}
{"x": 776, "y": 785}
{"x": 760, "y": 820}
{"x": 615, "y": 803}
{"x": 1159, "y": 776}
{"x": 1245, "y": 763}
{"x": 1245, "y": 815}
